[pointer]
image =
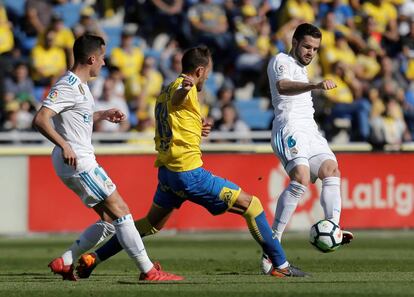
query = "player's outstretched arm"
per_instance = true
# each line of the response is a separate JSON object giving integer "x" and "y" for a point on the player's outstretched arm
{"x": 291, "y": 88}
{"x": 181, "y": 93}
{"x": 113, "y": 115}
{"x": 42, "y": 123}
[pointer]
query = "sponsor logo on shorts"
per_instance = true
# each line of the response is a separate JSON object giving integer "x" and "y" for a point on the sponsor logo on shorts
{"x": 227, "y": 195}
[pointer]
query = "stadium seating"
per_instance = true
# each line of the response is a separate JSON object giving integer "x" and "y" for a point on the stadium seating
{"x": 254, "y": 113}
{"x": 15, "y": 6}
{"x": 113, "y": 37}
{"x": 70, "y": 13}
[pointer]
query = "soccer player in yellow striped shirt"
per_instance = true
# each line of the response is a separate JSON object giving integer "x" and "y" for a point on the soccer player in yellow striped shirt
{"x": 181, "y": 177}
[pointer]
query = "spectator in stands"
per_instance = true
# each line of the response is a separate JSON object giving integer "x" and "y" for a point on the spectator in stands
{"x": 144, "y": 88}
{"x": 347, "y": 102}
{"x": 26, "y": 112}
{"x": 108, "y": 100}
{"x": 49, "y": 61}
{"x": 167, "y": 17}
{"x": 64, "y": 37}
{"x": 19, "y": 84}
{"x": 128, "y": 57}
{"x": 10, "y": 123}
{"x": 366, "y": 65}
{"x": 407, "y": 54}
{"x": 170, "y": 64}
{"x": 300, "y": 10}
{"x": 384, "y": 14}
{"x": 371, "y": 34}
{"x": 210, "y": 25}
{"x": 37, "y": 17}
{"x": 19, "y": 115}
{"x": 341, "y": 51}
{"x": 253, "y": 45}
{"x": 388, "y": 126}
{"x": 97, "y": 85}
{"x": 225, "y": 95}
{"x": 88, "y": 24}
{"x": 405, "y": 15}
{"x": 389, "y": 74}
{"x": 230, "y": 122}
{"x": 6, "y": 34}
{"x": 408, "y": 109}
{"x": 343, "y": 12}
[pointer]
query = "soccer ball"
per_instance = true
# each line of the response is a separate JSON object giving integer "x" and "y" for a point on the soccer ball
{"x": 326, "y": 236}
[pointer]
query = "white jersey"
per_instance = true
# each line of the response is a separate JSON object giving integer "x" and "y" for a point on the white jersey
{"x": 289, "y": 110}
{"x": 73, "y": 102}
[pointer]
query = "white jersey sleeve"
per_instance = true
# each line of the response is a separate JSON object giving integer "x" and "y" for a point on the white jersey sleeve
{"x": 60, "y": 98}
{"x": 281, "y": 69}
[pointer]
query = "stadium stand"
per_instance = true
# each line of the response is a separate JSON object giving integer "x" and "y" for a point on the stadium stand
{"x": 357, "y": 33}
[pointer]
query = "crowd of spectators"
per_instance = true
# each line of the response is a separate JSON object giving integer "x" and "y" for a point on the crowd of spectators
{"x": 367, "y": 49}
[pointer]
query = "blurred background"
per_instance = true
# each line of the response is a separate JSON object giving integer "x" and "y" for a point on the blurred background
{"x": 367, "y": 49}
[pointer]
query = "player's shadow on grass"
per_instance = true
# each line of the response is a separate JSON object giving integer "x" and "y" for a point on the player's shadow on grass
{"x": 26, "y": 277}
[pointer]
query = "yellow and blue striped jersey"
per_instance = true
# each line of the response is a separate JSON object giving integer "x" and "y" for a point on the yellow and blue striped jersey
{"x": 178, "y": 130}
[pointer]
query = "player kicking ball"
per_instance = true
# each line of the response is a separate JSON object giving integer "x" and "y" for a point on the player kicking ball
{"x": 181, "y": 177}
{"x": 296, "y": 140}
{"x": 71, "y": 107}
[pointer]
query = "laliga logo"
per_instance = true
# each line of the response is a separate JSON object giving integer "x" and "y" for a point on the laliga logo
{"x": 379, "y": 195}
{"x": 308, "y": 210}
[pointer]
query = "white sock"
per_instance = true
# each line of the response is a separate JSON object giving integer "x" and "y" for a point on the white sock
{"x": 286, "y": 206}
{"x": 331, "y": 198}
{"x": 91, "y": 237}
{"x": 131, "y": 241}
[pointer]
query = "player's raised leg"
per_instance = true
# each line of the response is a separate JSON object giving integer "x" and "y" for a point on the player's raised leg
{"x": 331, "y": 195}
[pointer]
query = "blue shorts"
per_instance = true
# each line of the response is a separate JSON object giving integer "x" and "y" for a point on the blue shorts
{"x": 214, "y": 193}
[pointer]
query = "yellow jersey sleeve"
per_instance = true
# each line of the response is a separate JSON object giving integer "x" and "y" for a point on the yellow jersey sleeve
{"x": 178, "y": 130}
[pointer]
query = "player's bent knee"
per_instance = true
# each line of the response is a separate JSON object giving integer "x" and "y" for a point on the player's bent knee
{"x": 254, "y": 209}
{"x": 116, "y": 205}
{"x": 329, "y": 170}
{"x": 300, "y": 174}
{"x": 244, "y": 200}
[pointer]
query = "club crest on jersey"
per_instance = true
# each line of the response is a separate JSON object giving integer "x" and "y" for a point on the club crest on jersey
{"x": 81, "y": 89}
{"x": 52, "y": 96}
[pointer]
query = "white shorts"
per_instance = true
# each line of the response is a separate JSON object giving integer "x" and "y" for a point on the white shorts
{"x": 301, "y": 146}
{"x": 92, "y": 186}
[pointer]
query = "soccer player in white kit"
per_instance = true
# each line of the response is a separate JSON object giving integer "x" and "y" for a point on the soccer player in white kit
{"x": 70, "y": 105}
{"x": 296, "y": 140}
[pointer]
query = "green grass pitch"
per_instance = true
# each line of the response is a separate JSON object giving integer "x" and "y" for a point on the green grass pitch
{"x": 377, "y": 263}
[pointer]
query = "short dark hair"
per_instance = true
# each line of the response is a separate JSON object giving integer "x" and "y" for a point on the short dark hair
{"x": 195, "y": 57}
{"x": 85, "y": 46}
{"x": 306, "y": 29}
